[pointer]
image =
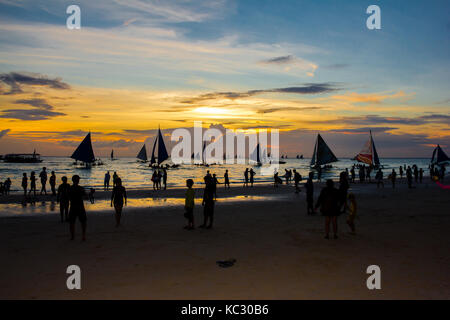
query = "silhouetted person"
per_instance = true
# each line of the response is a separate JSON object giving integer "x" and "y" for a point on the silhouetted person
{"x": 76, "y": 194}
{"x": 252, "y": 176}
{"x": 115, "y": 176}
{"x": 214, "y": 183}
{"x": 106, "y": 181}
{"x": 343, "y": 188}
{"x": 25, "y": 183}
{"x": 401, "y": 171}
{"x": 277, "y": 180}
{"x": 33, "y": 183}
{"x": 63, "y": 199}
{"x": 297, "y": 179}
{"x": 362, "y": 174}
{"x": 246, "y": 177}
{"x": 379, "y": 178}
{"x": 164, "y": 177}
{"x": 409, "y": 177}
{"x": 119, "y": 194}
{"x": 7, "y": 186}
{"x": 309, "y": 187}
{"x": 393, "y": 178}
{"x": 329, "y": 203}
{"x": 43, "y": 176}
{"x": 352, "y": 172}
{"x": 319, "y": 174}
{"x": 52, "y": 182}
{"x": 208, "y": 206}
{"x": 416, "y": 174}
{"x": 227, "y": 179}
{"x": 159, "y": 179}
{"x": 154, "y": 180}
{"x": 189, "y": 204}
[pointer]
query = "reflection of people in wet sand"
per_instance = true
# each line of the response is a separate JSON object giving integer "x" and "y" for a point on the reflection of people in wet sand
{"x": 76, "y": 194}
{"x": 329, "y": 203}
{"x": 119, "y": 194}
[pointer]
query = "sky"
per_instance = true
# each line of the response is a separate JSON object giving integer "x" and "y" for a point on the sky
{"x": 301, "y": 67}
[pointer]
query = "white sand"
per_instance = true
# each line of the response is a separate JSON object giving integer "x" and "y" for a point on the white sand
{"x": 280, "y": 251}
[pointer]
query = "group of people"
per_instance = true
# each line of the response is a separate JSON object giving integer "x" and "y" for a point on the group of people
{"x": 5, "y": 187}
{"x": 31, "y": 182}
{"x": 157, "y": 177}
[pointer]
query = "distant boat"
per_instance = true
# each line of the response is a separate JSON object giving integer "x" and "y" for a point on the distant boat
{"x": 112, "y": 155}
{"x": 162, "y": 151}
{"x": 142, "y": 155}
{"x": 22, "y": 157}
{"x": 439, "y": 157}
{"x": 257, "y": 154}
{"x": 369, "y": 153}
{"x": 84, "y": 152}
{"x": 301, "y": 157}
{"x": 322, "y": 153}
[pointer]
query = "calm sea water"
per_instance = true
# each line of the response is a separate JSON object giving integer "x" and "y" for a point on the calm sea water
{"x": 137, "y": 175}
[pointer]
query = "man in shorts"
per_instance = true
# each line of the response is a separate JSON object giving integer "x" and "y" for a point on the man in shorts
{"x": 76, "y": 194}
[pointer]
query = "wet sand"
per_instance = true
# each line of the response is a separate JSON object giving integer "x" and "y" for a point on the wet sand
{"x": 280, "y": 251}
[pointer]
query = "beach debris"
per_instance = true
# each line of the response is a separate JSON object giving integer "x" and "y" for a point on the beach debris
{"x": 226, "y": 263}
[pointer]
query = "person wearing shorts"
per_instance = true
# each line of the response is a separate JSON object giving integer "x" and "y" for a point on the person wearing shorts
{"x": 119, "y": 194}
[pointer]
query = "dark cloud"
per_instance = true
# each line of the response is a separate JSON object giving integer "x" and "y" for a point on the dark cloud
{"x": 32, "y": 114}
{"x": 37, "y": 103}
{"x": 440, "y": 118}
{"x": 4, "y": 132}
{"x": 271, "y": 110}
{"x": 306, "y": 89}
{"x": 364, "y": 130}
{"x": 280, "y": 60}
{"x": 379, "y": 120}
{"x": 15, "y": 80}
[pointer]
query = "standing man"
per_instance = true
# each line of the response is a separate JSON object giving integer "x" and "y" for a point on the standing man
{"x": 43, "y": 176}
{"x": 309, "y": 187}
{"x": 52, "y": 182}
{"x": 297, "y": 179}
{"x": 164, "y": 178}
{"x": 76, "y": 194}
{"x": 227, "y": 179}
{"x": 106, "y": 181}
{"x": 25, "y": 184}
{"x": 63, "y": 199}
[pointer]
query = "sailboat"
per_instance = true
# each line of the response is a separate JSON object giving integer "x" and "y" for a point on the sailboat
{"x": 162, "y": 151}
{"x": 257, "y": 154}
{"x": 84, "y": 152}
{"x": 369, "y": 153}
{"x": 142, "y": 155}
{"x": 322, "y": 154}
{"x": 439, "y": 157}
{"x": 112, "y": 155}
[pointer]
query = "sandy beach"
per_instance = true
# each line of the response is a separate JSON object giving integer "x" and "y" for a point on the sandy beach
{"x": 280, "y": 251}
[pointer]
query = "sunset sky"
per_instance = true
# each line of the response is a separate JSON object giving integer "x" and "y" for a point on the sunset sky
{"x": 302, "y": 67}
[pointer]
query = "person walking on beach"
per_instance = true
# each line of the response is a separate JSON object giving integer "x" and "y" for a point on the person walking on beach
{"x": 106, "y": 181}
{"x": 416, "y": 174}
{"x": 33, "y": 183}
{"x": 25, "y": 184}
{"x": 400, "y": 170}
{"x": 252, "y": 176}
{"x": 119, "y": 194}
{"x": 189, "y": 204}
{"x": 43, "y": 176}
{"x": 76, "y": 194}
{"x": 246, "y": 177}
{"x": 63, "y": 199}
{"x": 52, "y": 182}
{"x": 329, "y": 203}
{"x": 362, "y": 174}
{"x": 7, "y": 186}
{"x": 159, "y": 179}
{"x": 420, "y": 175}
{"x": 409, "y": 177}
{"x": 154, "y": 178}
{"x": 277, "y": 180}
{"x": 297, "y": 180}
{"x": 309, "y": 187}
{"x": 208, "y": 206}
{"x": 379, "y": 178}
{"x": 164, "y": 177}
{"x": 351, "y": 206}
{"x": 227, "y": 179}
{"x": 393, "y": 177}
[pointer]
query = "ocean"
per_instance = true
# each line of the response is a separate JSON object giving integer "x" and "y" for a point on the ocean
{"x": 137, "y": 175}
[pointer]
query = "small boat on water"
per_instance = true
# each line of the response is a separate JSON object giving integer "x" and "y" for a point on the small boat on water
{"x": 112, "y": 155}
{"x": 157, "y": 162}
{"x": 22, "y": 157}
{"x": 439, "y": 157}
{"x": 85, "y": 154}
{"x": 369, "y": 154}
{"x": 142, "y": 155}
{"x": 322, "y": 155}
